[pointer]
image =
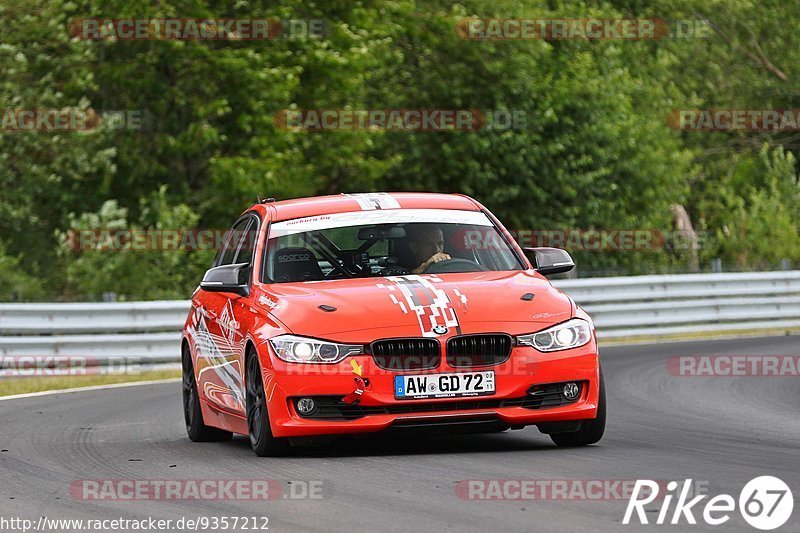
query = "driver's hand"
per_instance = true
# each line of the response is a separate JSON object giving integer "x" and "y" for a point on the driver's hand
{"x": 435, "y": 258}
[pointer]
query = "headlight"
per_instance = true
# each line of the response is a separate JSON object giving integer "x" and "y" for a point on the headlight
{"x": 570, "y": 334}
{"x": 295, "y": 349}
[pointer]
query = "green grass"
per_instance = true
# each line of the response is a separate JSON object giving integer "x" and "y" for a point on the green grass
{"x": 10, "y": 386}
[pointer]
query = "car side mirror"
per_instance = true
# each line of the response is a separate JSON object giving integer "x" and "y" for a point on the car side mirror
{"x": 549, "y": 261}
{"x": 228, "y": 278}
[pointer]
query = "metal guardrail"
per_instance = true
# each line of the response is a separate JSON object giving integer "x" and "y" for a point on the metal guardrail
{"x": 686, "y": 304}
{"x": 100, "y": 331}
{"x": 621, "y": 307}
{"x": 79, "y": 318}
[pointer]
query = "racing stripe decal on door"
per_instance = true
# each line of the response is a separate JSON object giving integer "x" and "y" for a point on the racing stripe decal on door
{"x": 219, "y": 354}
{"x": 375, "y": 200}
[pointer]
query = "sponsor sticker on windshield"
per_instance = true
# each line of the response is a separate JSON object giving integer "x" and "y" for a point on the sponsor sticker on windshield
{"x": 377, "y": 216}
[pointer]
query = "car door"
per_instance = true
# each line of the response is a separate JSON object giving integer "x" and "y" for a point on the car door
{"x": 219, "y": 337}
{"x": 241, "y": 312}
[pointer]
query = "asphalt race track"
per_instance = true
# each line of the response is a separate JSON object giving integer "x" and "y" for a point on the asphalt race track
{"x": 716, "y": 430}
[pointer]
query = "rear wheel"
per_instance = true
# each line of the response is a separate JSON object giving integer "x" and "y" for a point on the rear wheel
{"x": 197, "y": 430}
{"x": 591, "y": 431}
{"x": 258, "y": 428}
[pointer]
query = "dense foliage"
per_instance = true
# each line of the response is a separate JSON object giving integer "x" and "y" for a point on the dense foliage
{"x": 595, "y": 150}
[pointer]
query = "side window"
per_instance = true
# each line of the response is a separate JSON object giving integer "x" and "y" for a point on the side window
{"x": 248, "y": 244}
{"x": 231, "y": 243}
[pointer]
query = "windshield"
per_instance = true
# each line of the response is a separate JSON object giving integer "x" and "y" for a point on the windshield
{"x": 391, "y": 242}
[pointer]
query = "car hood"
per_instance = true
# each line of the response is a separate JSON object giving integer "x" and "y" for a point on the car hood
{"x": 400, "y": 306}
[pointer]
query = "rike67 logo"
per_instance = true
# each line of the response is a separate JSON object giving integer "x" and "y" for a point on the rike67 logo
{"x": 765, "y": 503}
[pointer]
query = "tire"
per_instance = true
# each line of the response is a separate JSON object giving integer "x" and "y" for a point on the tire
{"x": 258, "y": 428}
{"x": 196, "y": 428}
{"x": 591, "y": 431}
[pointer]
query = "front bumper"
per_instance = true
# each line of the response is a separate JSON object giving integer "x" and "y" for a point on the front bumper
{"x": 378, "y": 410}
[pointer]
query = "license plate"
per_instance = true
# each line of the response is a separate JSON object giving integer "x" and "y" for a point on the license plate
{"x": 444, "y": 385}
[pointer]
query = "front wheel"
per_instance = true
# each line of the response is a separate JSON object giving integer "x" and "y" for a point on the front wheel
{"x": 591, "y": 431}
{"x": 196, "y": 428}
{"x": 261, "y": 438}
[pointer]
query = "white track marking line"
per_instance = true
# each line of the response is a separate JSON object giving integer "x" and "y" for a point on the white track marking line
{"x": 91, "y": 388}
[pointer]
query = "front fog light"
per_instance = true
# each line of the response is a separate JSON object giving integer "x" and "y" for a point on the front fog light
{"x": 571, "y": 391}
{"x": 306, "y": 406}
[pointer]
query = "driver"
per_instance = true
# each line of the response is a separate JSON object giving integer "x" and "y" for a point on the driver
{"x": 426, "y": 242}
